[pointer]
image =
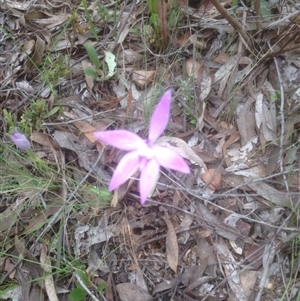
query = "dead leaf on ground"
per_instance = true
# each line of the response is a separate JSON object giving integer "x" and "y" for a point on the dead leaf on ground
{"x": 172, "y": 248}
{"x": 143, "y": 77}
{"x": 212, "y": 178}
{"x": 206, "y": 254}
{"x": 246, "y": 122}
{"x": 109, "y": 289}
{"x": 270, "y": 194}
{"x": 48, "y": 281}
{"x": 202, "y": 78}
{"x": 231, "y": 270}
{"x": 37, "y": 56}
{"x": 41, "y": 218}
{"x": 193, "y": 68}
{"x": 225, "y": 70}
{"x": 130, "y": 292}
{"x": 265, "y": 116}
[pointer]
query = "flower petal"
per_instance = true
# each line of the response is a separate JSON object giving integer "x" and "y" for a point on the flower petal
{"x": 121, "y": 139}
{"x": 148, "y": 179}
{"x": 20, "y": 140}
{"x": 169, "y": 158}
{"x": 127, "y": 166}
{"x": 160, "y": 117}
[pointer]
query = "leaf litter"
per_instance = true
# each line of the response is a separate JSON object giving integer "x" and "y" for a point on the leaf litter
{"x": 227, "y": 231}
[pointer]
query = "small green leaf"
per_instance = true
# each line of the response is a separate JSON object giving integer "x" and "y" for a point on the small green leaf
{"x": 52, "y": 112}
{"x": 91, "y": 50}
{"x": 101, "y": 192}
{"x": 110, "y": 60}
{"x": 77, "y": 294}
{"x": 84, "y": 277}
{"x": 101, "y": 287}
{"x": 265, "y": 10}
{"x": 90, "y": 72}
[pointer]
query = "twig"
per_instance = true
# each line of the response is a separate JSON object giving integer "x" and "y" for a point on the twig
{"x": 281, "y": 119}
{"x": 265, "y": 275}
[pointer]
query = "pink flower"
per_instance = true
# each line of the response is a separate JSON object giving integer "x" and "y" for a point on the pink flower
{"x": 20, "y": 140}
{"x": 144, "y": 155}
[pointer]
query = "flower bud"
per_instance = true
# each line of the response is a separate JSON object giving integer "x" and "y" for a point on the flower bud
{"x": 20, "y": 140}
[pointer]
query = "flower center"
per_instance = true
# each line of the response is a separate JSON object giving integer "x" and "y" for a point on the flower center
{"x": 146, "y": 154}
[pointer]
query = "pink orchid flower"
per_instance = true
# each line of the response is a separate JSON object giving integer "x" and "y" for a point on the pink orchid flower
{"x": 20, "y": 140}
{"x": 144, "y": 155}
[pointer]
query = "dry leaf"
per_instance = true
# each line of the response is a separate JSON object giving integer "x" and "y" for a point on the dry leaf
{"x": 269, "y": 193}
{"x": 48, "y": 280}
{"x": 41, "y": 218}
{"x": 109, "y": 289}
{"x": 143, "y": 77}
{"x": 246, "y": 122}
{"x": 87, "y": 129}
{"x": 204, "y": 83}
{"x": 130, "y": 292}
{"x": 184, "y": 40}
{"x": 8, "y": 218}
{"x": 193, "y": 68}
{"x": 171, "y": 245}
{"x": 37, "y": 56}
{"x": 226, "y": 69}
{"x": 231, "y": 270}
{"x": 212, "y": 178}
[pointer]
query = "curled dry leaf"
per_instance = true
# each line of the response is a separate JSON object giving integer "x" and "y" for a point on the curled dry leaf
{"x": 143, "y": 77}
{"x": 212, "y": 178}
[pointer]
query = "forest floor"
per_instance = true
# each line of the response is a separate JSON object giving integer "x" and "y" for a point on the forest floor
{"x": 228, "y": 230}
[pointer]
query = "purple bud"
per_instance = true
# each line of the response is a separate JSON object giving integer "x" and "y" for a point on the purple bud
{"x": 20, "y": 140}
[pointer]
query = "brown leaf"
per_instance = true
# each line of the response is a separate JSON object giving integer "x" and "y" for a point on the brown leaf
{"x": 234, "y": 137}
{"x": 108, "y": 289}
{"x": 8, "y": 219}
{"x": 48, "y": 281}
{"x": 143, "y": 77}
{"x": 231, "y": 270}
{"x": 37, "y": 56}
{"x": 193, "y": 68}
{"x": 41, "y": 219}
{"x": 87, "y": 129}
{"x": 171, "y": 245}
{"x": 184, "y": 40}
{"x": 270, "y": 194}
{"x": 212, "y": 178}
{"x": 246, "y": 122}
{"x": 254, "y": 255}
{"x": 130, "y": 291}
{"x": 163, "y": 21}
